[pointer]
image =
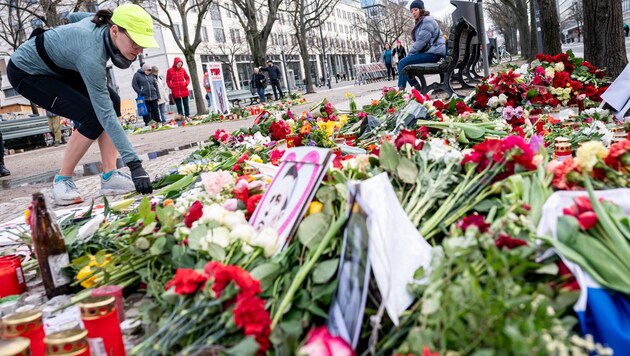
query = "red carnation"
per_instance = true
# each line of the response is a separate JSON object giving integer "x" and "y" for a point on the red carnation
{"x": 194, "y": 213}
{"x": 509, "y": 242}
{"x": 186, "y": 281}
{"x": 475, "y": 220}
{"x": 252, "y": 203}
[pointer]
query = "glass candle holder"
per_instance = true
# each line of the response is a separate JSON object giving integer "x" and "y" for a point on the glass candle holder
{"x": 9, "y": 284}
{"x": 100, "y": 318}
{"x": 19, "y": 271}
{"x": 18, "y": 346}
{"x": 26, "y": 324}
{"x": 71, "y": 342}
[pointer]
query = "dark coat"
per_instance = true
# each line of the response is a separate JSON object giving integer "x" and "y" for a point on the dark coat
{"x": 145, "y": 85}
{"x": 274, "y": 72}
{"x": 259, "y": 80}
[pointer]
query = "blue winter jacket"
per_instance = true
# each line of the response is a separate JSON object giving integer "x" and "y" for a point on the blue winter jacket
{"x": 428, "y": 38}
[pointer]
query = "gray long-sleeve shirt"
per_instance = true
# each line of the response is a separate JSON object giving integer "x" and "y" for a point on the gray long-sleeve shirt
{"x": 80, "y": 46}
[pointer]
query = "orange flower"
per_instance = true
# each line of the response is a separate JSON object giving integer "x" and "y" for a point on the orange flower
{"x": 167, "y": 202}
{"x": 374, "y": 102}
{"x": 306, "y": 129}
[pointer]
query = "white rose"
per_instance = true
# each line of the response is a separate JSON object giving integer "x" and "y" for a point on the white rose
{"x": 503, "y": 98}
{"x": 493, "y": 102}
{"x": 559, "y": 67}
{"x": 267, "y": 239}
{"x": 220, "y": 236}
{"x": 246, "y": 248}
{"x": 550, "y": 72}
{"x": 244, "y": 232}
{"x": 232, "y": 219}
{"x": 213, "y": 212}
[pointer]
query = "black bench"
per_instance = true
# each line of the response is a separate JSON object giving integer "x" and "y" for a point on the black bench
{"x": 25, "y": 128}
{"x": 457, "y": 57}
{"x": 235, "y": 97}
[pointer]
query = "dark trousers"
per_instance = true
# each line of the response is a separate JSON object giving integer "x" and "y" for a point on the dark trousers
{"x": 154, "y": 112}
{"x": 261, "y": 94}
{"x": 275, "y": 83}
{"x": 390, "y": 71}
{"x": 67, "y": 97}
{"x": 182, "y": 106}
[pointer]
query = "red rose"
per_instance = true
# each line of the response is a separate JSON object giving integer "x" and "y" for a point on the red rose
{"x": 406, "y": 136}
{"x": 475, "y": 220}
{"x": 418, "y": 96}
{"x": 507, "y": 241}
{"x": 252, "y": 203}
{"x": 186, "y": 281}
{"x": 193, "y": 214}
{"x": 275, "y": 155}
{"x": 438, "y": 104}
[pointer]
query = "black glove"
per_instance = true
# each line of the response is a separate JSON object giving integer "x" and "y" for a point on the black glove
{"x": 140, "y": 177}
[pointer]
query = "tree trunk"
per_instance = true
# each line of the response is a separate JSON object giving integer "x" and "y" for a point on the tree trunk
{"x": 533, "y": 49}
{"x": 550, "y": 25}
{"x": 524, "y": 37}
{"x": 604, "y": 44}
{"x": 305, "y": 56}
{"x": 200, "y": 102}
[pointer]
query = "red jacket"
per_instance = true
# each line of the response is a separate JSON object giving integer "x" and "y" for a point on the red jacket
{"x": 178, "y": 80}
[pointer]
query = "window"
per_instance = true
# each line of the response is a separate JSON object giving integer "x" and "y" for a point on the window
{"x": 219, "y": 35}
{"x": 215, "y": 13}
{"x": 329, "y": 27}
{"x": 204, "y": 34}
{"x": 8, "y": 93}
{"x": 171, "y": 4}
{"x": 235, "y": 35}
{"x": 178, "y": 31}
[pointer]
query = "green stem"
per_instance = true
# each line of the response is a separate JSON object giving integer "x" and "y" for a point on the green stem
{"x": 306, "y": 269}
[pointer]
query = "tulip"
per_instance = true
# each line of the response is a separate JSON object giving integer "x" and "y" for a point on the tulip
{"x": 321, "y": 343}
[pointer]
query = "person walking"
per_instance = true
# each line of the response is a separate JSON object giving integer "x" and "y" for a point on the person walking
{"x": 54, "y": 125}
{"x": 64, "y": 70}
{"x": 145, "y": 85}
{"x": 429, "y": 45}
{"x": 178, "y": 80}
{"x": 259, "y": 83}
{"x": 399, "y": 51}
{"x": 208, "y": 87}
{"x": 274, "y": 78}
{"x": 162, "y": 101}
{"x": 387, "y": 58}
{"x": 3, "y": 169}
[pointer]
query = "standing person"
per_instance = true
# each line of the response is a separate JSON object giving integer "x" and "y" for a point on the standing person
{"x": 626, "y": 29}
{"x": 428, "y": 46}
{"x": 399, "y": 50}
{"x": 178, "y": 80}
{"x": 145, "y": 85}
{"x": 64, "y": 70}
{"x": 163, "y": 95}
{"x": 3, "y": 169}
{"x": 387, "y": 57}
{"x": 54, "y": 125}
{"x": 207, "y": 85}
{"x": 259, "y": 83}
{"x": 274, "y": 78}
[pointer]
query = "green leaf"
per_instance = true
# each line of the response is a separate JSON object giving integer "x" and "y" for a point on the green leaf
{"x": 419, "y": 274}
{"x": 180, "y": 185}
{"x": 407, "y": 171}
{"x": 325, "y": 193}
{"x": 472, "y": 131}
{"x": 314, "y": 309}
{"x": 216, "y": 252}
{"x": 312, "y": 230}
{"x": 245, "y": 347}
{"x": 291, "y": 327}
{"x": 550, "y": 268}
{"x": 266, "y": 274}
{"x": 389, "y": 157}
{"x": 148, "y": 229}
{"x": 324, "y": 271}
{"x": 532, "y": 93}
{"x": 158, "y": 246}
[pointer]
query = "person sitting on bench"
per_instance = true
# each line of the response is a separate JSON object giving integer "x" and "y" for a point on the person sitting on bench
{"x": 429, "y": 44}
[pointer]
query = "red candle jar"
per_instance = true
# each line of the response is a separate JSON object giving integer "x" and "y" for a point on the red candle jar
{"x": 19, "y": 346}
{"x": 71, "y": 342}
{"x": 292, "y": 140}
{"x": 350, "y": 137}
{"x": 9, "y": 284}
{"x": 19, "y": 271}
{"x": 562, "y": 150}
{"x": 112, "y": 291}
{"x": 100, "y": 318}
{"x": 26, "y": 324}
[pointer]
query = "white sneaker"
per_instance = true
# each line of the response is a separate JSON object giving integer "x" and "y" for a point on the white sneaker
{"x": 118, "y": 183}
{"x": 65, "y": 192}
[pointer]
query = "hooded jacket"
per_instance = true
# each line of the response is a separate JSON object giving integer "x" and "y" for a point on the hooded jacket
{"x": 145, "y": 85}
{"x": 178, "y": 80}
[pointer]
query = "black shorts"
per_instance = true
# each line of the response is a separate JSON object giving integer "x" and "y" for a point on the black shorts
{"x": 65, "y": 96}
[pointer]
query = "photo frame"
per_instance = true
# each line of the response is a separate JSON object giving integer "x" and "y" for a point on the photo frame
{"x": 292, "y": 189}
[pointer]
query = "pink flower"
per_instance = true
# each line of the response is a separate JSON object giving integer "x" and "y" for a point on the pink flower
{"x": 214, "y": 182}
{"x": 230, "y": 204}
{"x": 320, "y": 343}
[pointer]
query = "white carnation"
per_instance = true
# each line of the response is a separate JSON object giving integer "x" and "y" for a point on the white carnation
{"x": 268, "y": 240}
{"x": 244, "y": 232}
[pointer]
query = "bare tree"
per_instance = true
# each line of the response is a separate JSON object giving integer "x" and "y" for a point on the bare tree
{"x": 504, "y": 24}
{"x": 229, "y": 51}
{"x": 385, "y": 24}
{"x": 445, "y": 23}
{"x": 250, "y": 14}
{"x": 604, "y": 43}
{"x": 550, "y": 26}
{"x": 306, "y": 16}
{"x": 189, "y": 15}
{"x": 520, "y": 10}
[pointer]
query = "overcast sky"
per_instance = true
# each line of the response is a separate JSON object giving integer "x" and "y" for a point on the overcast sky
{"x": 439, "y": 8}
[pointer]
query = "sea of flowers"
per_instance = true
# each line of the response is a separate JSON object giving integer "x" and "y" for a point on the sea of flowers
{"x": 472, "y": 175}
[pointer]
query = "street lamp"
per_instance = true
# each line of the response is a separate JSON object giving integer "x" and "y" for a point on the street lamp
{"x": 284, "y": 64}
{"x": 326, "y": 76}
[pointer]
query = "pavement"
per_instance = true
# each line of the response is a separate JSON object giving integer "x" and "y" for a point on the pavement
{"x": 578, "y": 48}
{"x": 32, "y": 171}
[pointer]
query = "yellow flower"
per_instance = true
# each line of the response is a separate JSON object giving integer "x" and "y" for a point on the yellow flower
{"x": 315, "y": 207}
{"x": 27, "y": 216}
{"x": 587, "y": 155}
{"x": 343, "y": 119}
{"x": 84, "y": 273}
{"x": 256, "y": 158}
{"x": 94, "y": 263}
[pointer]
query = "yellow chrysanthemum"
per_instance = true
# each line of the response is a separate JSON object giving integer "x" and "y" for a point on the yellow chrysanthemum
{"x": 588, "y": 155}
{"x": 84, "y": 273}
{"x": 256, "y": 158}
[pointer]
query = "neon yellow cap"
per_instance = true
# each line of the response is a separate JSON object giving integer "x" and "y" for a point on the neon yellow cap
{"x": 137, "y": 22}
